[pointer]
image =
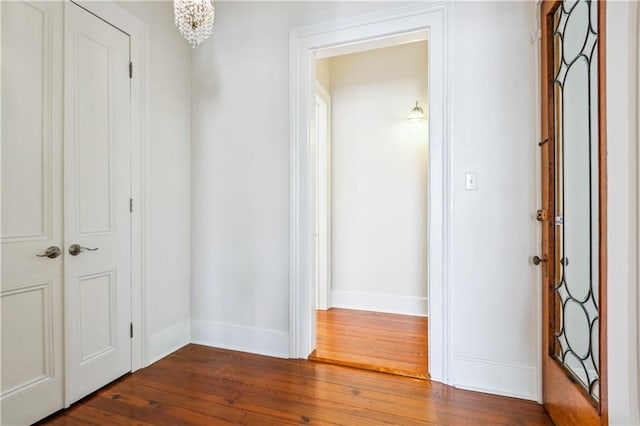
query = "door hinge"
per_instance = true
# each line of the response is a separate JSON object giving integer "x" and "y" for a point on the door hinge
{"x": 542, "y": 215}
{"x": 131, "y": 330}
{"x": 130, "y": 205}
{"x": 130, "y": 69}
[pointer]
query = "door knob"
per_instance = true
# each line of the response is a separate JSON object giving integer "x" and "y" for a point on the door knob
{"x": 538, "y": 260}
{"x": 51, "y": 252}
{"x": 76, "y": 249}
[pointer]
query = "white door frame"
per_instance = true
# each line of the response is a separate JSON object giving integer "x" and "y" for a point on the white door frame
{"x": 637, "y": 210}
{"x": 304, "y": 43}
{"x": 138, "y": 33}
{"x": 323, "y": 210}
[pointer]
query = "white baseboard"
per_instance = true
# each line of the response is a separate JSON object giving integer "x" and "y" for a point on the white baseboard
{"x": 168, "y": 340}
{"x": 239, "y": 338}
{"x": 498, "y": 378}
{"x": 405, "y": 305}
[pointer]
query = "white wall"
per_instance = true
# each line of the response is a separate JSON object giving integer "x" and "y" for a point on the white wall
{"x": 323, "y": 73}
{"x": 493, "y": 125}
{"x": 622, "y": 140}
{"x": 169, "y": 180}
{"x": 241, "y": 188}
{"x": 379, "y": 181}
{"x": 240, "y": 160}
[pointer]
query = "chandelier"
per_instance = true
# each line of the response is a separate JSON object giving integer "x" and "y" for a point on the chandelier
{"x": 194, "y": 19}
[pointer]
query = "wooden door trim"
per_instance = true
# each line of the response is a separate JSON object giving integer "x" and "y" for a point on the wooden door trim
{"x": 560, "y": 380}
{"x": 602, "y": 209}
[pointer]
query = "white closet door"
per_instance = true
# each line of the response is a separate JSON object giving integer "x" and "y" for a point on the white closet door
{"x": 96, "y": 202}
{"x": 31, "y": 289}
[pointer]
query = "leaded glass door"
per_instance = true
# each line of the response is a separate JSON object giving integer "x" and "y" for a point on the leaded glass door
{"x": 573, "y": 213}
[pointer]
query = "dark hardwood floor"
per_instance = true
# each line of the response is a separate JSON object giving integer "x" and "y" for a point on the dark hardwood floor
{"x": 376, "y": 341}
{"x": 198, "y": 385}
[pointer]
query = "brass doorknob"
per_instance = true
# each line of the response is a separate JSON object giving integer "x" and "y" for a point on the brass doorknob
{"x": 538, "y": 260}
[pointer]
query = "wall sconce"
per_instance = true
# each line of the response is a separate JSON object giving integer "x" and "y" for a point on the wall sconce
{"x": 416, "y": 114}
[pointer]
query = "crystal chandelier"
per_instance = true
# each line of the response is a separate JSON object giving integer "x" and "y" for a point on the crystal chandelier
{"x": 194, "y": 19}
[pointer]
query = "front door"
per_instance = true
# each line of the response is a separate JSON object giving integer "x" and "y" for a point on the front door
{"x": 96, "y": 202}
{"x": 573, "y": 213}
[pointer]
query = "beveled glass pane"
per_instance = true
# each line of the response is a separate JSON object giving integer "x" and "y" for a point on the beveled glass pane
{"x": 575, "y": 104}
{"x": 575, "y": 32}
{"x": 577, "y": 185}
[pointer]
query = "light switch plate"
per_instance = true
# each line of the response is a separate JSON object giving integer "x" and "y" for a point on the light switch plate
{"x": 471, "y": 181}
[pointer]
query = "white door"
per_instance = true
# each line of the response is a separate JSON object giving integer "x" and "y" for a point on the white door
{"x": 96, "y": 202}
{"x": 31, "y": 291}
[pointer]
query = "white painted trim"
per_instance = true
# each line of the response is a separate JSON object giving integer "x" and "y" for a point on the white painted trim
{"x": 239, "y": 338}
{"x": 389, "y": 303}
{"x": 537, "y": 247}
{"x": 169, "y": 340}
{"x": 323, "y": 297}
{"x": 139, "y": 35}
{"x": 447, "y": 274}
{"x": 500, "y": 378}
{"x": 636, "y": 243}
{"x": 430, "y": 18}
{"x": 377, "y": 43}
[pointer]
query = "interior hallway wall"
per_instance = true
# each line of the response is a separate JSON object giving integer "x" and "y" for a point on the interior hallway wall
{"x": 240, "y": 158}
{"x": 323, "y": 73}
{"x": 168, "y": 257}
{"x": 493, "y": 129}
{"x": 379, "y": 180}
{"x": 622, "y": 163}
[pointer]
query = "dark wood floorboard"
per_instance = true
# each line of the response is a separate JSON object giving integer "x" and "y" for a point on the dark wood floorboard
{"x": 198, "y": 385}
{"x": 375, "y": 341}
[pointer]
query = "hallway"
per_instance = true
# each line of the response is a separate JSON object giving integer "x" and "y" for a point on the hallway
{"x": 375, "y": 341}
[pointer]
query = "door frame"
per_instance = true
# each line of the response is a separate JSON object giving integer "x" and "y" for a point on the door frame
{"x": 558, "y": 379}
{"x": 406, "y": 22}
{"x": 139, "y": 36}
{"x": 324, "y": 262}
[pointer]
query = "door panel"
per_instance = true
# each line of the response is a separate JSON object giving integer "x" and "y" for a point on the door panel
{"x": 574, "y": 192}
{"x": 31, "y": 290}
{"x": 97, "y": 217}
{"x": 94, "y": 150}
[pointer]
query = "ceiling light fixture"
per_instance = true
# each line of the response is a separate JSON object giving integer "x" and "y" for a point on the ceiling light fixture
{"x": 194, "y": 19}
{"x": 416, "y": 114}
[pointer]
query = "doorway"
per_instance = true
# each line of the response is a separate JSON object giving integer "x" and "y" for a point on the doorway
{"x": 388, "y": 28}
{"x": 372, "y": 208}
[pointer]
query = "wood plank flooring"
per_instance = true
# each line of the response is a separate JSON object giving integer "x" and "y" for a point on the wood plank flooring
{"x": 373, "y": 341}
{"x": 198, "y": 385}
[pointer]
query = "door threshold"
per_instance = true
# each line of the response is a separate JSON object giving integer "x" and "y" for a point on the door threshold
{"x": 422, "y": 375}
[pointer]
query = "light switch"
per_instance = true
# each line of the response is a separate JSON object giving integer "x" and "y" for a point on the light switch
{"x": 471, "y": 181}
